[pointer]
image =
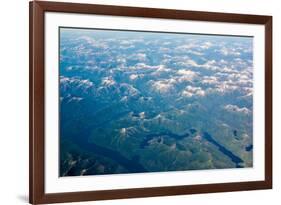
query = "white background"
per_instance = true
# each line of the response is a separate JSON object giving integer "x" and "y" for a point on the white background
{"x": 14, "y": 100}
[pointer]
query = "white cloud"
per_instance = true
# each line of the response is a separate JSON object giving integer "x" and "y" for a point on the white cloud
{"x": 94, "y": 43}
{"x": 190, "y": 91}
{"x": 248, "y": 91}
{"x": 142, "y": 115}
{"x": 235, "y": 108}
{"x": 130, "y": 41}
{"x": 211, "y": 80}
{"x": 186, "y": 72}
{"x": 163, "y": 86}
{"x": 66, "y": 81}
{"x": 240, "y": 78}
{"x": 133, "y": 76}
{"x": 161, "y": 69}
{"x": 75, "y": 99}
{"x": 209, "y": 65}
{"x": 125, "y": 42}
{"x": 143, "y": 66}
{"x": 186, "y": 47}
{"x": 86, "y": 83}
{"x": 229, "y": 51}
{"x": 195, "y": 47}
{"x": 126, "y": 47}
{"x": 206, "y": 45}
{"x": 186, "y": 75}
{"x": 224, "y": 86}
{"x": 164, "y": 49}
{"x": 140, "y": 56}
{"x": 121, "y": 59}
{"x": 197, "y": 53}
{"x": 192, "y": 63}
{"x": 226, "y": 70}
{"x": 129, "y": 89}
{"x": 107, "y": 81}
{"x": 167, "y": 43}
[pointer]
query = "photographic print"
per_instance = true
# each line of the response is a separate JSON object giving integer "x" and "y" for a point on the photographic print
{"x": 144, "y": 101}
{"x": 130, "y": 102}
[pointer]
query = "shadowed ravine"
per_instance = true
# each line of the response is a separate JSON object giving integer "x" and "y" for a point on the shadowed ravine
{"x": 131, "y": 165}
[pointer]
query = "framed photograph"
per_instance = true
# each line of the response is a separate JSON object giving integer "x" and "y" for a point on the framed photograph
{"x": 139, "y": 102}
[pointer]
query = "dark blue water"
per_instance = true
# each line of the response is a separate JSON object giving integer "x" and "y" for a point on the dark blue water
{"x": 206, "y": 135}
{"x": 192, "y": 131}
{"x": 147, "y": 138}
{"x": 225, "y": 151}
{"x": 249, "y": 148}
